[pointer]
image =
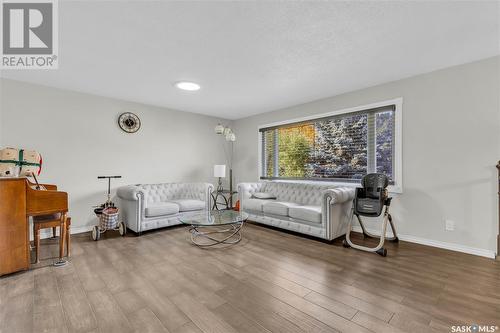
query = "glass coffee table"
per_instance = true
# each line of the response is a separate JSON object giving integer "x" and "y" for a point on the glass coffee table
{"x": 209, "y": 228}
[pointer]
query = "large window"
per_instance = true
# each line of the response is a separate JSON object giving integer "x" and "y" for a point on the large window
{"x": 338, "y": 147}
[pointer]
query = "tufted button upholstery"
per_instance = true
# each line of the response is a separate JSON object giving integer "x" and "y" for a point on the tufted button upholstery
{"x": 304, "y": 194}
{"x": 136, "y": 199}
{"x": 297, "y": 205}
{"x": 155, "y": 193}
{"x": 169, "y": 192}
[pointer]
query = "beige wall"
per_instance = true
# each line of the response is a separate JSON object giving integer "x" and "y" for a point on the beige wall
{"x": 79, "y": 139}
{"x": 451, "y": 142}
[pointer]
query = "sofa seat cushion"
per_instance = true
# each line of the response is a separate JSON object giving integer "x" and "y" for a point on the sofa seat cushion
{"x": 278, "y": 207}
{"x": 255, "y": 204}
{"x": 187, "y": 205}
{"x": 161, "y": 209}
{"x": 307, "y": 213}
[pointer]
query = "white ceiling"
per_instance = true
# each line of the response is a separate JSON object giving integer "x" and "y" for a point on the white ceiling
{"x": 253, "y": 57}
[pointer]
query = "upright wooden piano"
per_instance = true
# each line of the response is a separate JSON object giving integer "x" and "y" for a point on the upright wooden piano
{"x": 18, "y": 201}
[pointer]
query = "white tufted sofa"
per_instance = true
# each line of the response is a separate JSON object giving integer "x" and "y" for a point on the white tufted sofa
{"x": 151, "y": 206}
{"x": 314, "y": 209}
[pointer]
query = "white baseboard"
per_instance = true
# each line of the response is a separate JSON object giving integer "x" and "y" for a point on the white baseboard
{"x": 82, "y": 229}
{"x": 434, "y": 243}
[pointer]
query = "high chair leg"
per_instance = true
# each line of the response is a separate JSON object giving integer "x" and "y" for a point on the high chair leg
{"x": 379, "y": 249}
{"x": 394, "y": 238}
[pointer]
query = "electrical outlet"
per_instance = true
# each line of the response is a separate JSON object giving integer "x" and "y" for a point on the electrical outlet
{"x": 449, "y": 225}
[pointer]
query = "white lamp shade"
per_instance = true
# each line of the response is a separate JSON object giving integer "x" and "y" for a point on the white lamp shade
{"x": 231, "y": 137}
{"x": 220, "y": 171}
{"x": 219, "y": 129}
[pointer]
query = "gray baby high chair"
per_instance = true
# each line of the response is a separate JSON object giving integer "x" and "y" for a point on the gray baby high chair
{"x": 370, "y": 201}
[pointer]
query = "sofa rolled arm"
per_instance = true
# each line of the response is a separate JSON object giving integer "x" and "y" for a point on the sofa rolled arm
{"x": 208, "y": 189}
{"x": 130, "y": 192}
{"x": 339, "y": 195}
{"x": 335, "y": 196}
{"x": 246, "y": 190}
{"x": 131, "y": 206}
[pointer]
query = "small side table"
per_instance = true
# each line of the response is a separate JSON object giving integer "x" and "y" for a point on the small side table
{"x": 224, "y": 197}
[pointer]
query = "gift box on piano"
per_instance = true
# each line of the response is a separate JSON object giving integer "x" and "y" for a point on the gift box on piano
{"x": 19, "y": 162}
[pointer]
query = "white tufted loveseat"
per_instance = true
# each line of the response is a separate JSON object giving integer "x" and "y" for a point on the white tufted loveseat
{"x": 150, "y": 206}
{"x": 314, "y": 209}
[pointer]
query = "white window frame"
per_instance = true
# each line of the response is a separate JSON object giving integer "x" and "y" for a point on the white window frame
{"x": 397, "y": 187}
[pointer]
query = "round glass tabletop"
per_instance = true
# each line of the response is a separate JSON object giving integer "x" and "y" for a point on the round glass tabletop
{"x": 214, "y": 217}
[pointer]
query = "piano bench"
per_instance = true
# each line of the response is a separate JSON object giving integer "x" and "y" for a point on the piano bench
{"x": 51, "y": 221}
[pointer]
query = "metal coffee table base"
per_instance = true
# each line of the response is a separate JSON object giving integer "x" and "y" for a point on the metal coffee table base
{"x": 212, "y": 236}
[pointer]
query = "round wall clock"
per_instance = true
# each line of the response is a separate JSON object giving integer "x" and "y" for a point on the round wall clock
{"x": 129, "y": 122}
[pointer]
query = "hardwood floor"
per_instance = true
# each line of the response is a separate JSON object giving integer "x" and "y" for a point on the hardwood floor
{"x": 271, "y": 281}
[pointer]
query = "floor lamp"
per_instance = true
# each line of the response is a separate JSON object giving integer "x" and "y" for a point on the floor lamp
{"x": 228, "y": 146}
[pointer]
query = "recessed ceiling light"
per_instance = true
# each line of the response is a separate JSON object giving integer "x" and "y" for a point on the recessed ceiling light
{"x": 185, "y": 85}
